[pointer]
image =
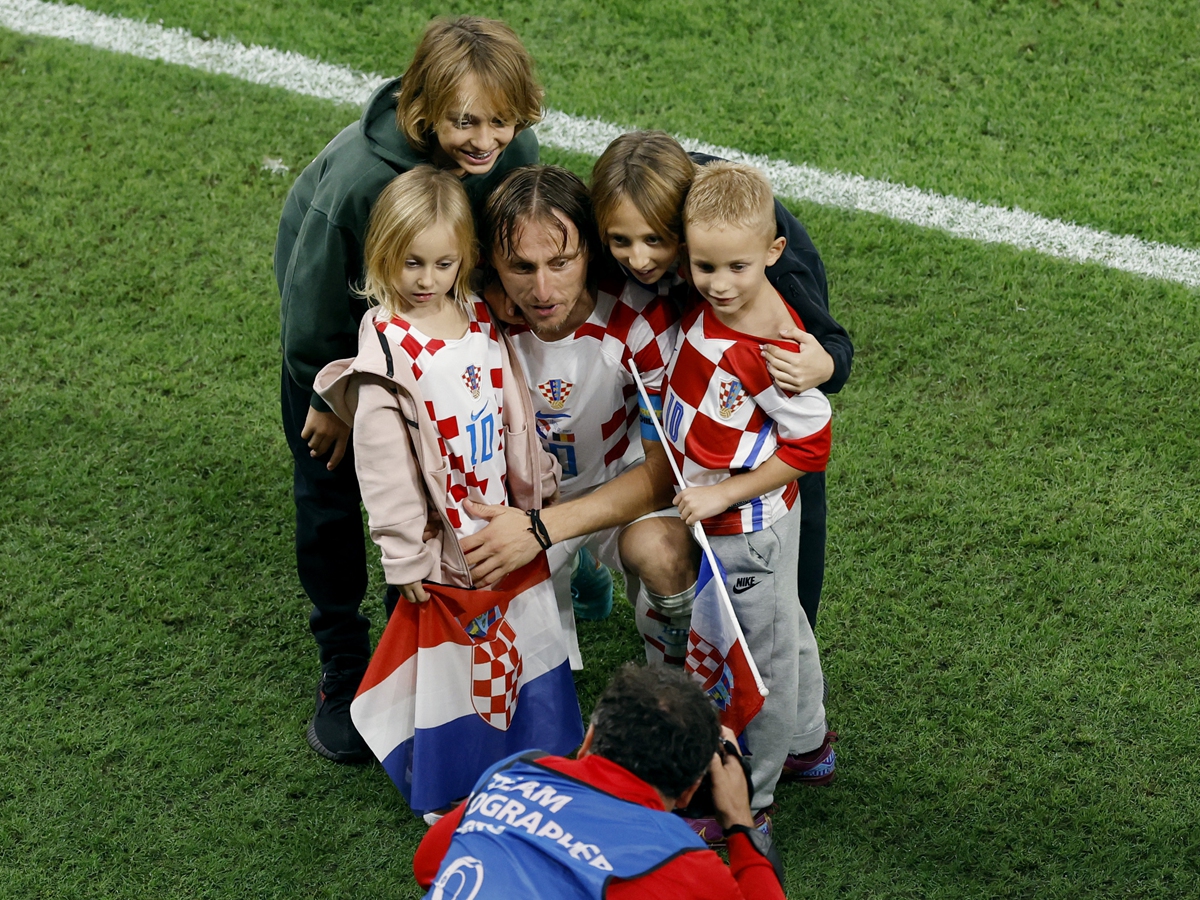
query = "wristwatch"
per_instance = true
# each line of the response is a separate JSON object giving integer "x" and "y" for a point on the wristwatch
{"x": 763, "y": 844}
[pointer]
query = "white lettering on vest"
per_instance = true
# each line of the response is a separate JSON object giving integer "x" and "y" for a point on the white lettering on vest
{"x": 530, "y": 822}
{"x": 548, "y": 797}
{"x": 512, "y": 809}
{"x": 601, "y": 863}
{"x": 472, "y": 825}
{"x": 491, "y": 806}
{"x": 533, "y": 791}
{"x": 551, "y": 830}
{"x": 580, "y": 850}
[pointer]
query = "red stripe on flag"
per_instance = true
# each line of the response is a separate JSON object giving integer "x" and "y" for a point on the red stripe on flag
{"x": 441, "y": 620}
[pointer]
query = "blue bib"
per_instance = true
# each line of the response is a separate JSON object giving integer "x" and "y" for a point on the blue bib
{"x": 532, "y": 832}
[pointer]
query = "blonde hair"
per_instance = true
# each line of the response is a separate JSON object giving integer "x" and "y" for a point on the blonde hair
{"x": 452, "y": 49}
{"x": 650, "y": 170}
{"x": 412, "y": 203}
{"x": 728, "y": 194}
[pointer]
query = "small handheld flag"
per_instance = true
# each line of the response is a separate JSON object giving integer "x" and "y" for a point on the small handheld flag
{"x": 717, "y": 649}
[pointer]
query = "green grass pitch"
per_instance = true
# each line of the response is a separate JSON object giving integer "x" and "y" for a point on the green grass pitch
{"x": 1012, "y": 595}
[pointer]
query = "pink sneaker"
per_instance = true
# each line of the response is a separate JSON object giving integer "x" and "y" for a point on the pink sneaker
{"x": 816, "y": 768}
{"x": 711, "y": 832}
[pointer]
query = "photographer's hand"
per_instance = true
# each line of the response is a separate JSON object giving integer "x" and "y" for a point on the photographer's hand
{"x": 730, "y": 792}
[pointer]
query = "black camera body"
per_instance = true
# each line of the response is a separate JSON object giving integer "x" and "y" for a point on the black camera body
{"x": 701, "y": 806}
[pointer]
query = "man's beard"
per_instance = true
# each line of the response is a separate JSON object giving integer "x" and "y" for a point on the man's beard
{"x": 542, "y": 327}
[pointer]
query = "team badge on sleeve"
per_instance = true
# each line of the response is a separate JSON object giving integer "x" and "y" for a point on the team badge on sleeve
{"x": 732, "y": 396}
{"x": 556, "y": 391}
{"x": 471, "y": 379}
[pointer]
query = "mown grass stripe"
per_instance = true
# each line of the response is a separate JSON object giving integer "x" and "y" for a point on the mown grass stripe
{"x": 299, "y": 74}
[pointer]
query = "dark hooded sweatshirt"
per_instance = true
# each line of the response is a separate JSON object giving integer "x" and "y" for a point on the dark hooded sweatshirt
{"x": 319, "y": 251}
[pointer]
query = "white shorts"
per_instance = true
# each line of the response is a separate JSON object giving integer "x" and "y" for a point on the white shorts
{"x": 605, "y": 546}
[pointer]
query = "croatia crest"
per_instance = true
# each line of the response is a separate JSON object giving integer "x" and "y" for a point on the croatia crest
{"x": 709, "y": 668}
{"x": 732, "y": 396}
{"x": 495, "y": 668}
{"x": 556, "y": 391}
{"x": 470, "y": 378}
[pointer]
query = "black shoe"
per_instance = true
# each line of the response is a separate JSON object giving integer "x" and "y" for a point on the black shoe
{"x": 331, "y": 733}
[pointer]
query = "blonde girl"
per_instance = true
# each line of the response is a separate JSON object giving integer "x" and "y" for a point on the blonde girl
{"x": 431, "y": 396}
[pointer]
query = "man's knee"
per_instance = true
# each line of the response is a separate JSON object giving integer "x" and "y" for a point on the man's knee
{"x": 661, "y": 553}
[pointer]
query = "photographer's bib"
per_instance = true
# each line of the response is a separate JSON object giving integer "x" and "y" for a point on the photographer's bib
{"x": 531, "y": 832}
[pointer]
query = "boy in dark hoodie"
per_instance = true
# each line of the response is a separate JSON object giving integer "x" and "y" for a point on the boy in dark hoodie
{"x": 465, "y": 105}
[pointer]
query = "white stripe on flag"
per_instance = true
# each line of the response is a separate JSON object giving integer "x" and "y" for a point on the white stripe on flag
{"x": 386, "y": 710}
{"x": 383, "y": 715}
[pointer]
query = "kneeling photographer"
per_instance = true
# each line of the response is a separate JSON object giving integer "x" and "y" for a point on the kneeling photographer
{"x": 601, "y": 825}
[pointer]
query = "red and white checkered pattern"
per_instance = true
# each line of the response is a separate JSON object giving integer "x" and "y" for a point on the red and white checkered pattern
{"x": 703, "y": 658}
{"x": 598, "y": 415}
{"x": 496, "y": 668}
{"x": 723, "y": 415}
{"x": 465, "y": 405}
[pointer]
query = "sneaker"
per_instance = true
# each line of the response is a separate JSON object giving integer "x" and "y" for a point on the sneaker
{"x": 331, "y": 733}
{"x": 591, "y": 588}
{"x": 432, "y": 818}
{"x": 710, "y": 831}
{"x": 817, "y": 767}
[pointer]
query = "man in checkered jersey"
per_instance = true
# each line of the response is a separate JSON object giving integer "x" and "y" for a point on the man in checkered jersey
{"x": 741, "y": 442}
{"x": 583, "y": 330}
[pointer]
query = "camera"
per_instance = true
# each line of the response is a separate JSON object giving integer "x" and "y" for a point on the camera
{"x": 701, "y": 806}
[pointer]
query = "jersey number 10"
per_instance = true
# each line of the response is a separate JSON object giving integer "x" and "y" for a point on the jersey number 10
{"x": 483, "y": 439}
{"x": 673, "y": 417}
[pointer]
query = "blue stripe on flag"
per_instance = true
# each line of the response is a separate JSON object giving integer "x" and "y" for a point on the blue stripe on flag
{"x": 451, "y": 757}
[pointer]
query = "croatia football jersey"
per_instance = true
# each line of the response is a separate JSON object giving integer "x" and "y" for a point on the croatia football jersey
{"x": 723, "y": 415}
{"x": 460, "y": 382}
{"x": 584, "y": 397}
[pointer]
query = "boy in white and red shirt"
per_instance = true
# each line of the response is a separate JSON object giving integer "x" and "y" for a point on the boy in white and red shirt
{"x": 741, "y": 443}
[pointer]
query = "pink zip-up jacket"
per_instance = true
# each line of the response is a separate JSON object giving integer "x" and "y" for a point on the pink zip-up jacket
{"x": 381, "y": 402}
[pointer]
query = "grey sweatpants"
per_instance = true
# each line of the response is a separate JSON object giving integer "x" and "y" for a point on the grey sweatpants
{"x": 761, "y": 570}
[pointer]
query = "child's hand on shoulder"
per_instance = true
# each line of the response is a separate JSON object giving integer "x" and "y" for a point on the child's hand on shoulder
{"x": 797, "y": 372}
{"x": 699, "y": 503}
{"x": 414, "y": 593}
{"x": 501, "y": 304}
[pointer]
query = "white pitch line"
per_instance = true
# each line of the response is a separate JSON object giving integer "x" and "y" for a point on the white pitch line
{"x": 301, "y": 75}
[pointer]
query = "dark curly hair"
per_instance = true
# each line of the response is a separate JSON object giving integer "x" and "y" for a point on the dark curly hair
{"x": 658, "y": 724}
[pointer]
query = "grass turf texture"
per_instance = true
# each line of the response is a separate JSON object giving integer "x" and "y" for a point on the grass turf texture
{"x": 1011, "y": 601}
{"x": 1085, "y": 110}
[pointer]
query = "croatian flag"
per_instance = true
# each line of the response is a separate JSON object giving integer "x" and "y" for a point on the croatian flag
{"x": 463, "y": 681}
{"x": 715, "y": 656}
